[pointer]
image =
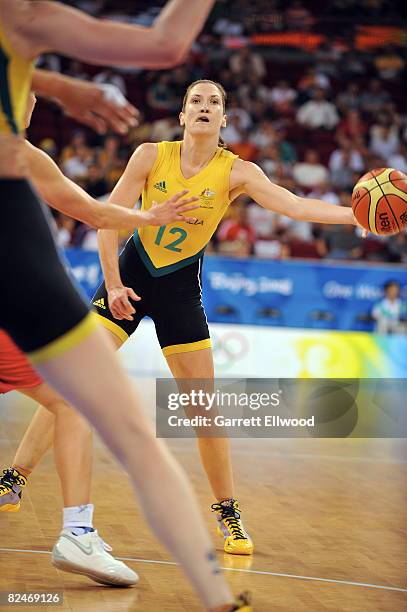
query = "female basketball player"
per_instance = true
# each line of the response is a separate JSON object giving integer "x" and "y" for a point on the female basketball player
{"x": 57, "y": 332}
{"x": 160, "y": 269}
{"x": 72, "y": 434}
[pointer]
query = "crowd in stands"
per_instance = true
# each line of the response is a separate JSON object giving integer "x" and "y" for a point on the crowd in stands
{"x": 314, "y": 122}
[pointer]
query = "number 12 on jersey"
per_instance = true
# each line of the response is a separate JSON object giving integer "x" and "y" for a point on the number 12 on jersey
{"x": 171, "y": 246}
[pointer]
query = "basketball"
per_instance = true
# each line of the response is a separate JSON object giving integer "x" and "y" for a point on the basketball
{"x": 379, "y": 201}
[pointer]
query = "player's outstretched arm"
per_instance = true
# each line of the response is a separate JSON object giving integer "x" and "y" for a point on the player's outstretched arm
{"x": 50, "y": 26}
{"x": 64, "y": 195}
{"x": 86, "y": 102}
{"x": 250, "y": 179}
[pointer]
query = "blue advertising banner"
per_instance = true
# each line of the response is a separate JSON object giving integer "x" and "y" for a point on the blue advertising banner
{"x": 86, "y": 270}
{"x": 293, "y": 294}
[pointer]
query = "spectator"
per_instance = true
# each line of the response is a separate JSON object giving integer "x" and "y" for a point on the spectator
{"x": 397, "y": 248}
{"x": 90, "y": 240}
{"x": 282, "y": 97}
{"x": 228, "y": 27}
{"x": 351, "y": 127}
{"x": 179, "y": 81}
{"x": 167, "y": 128}
{"x": 236, "y": 235}
{"x": 353, "y": 64}
{"x": 311, "y": 81}
{"x": 398, "y": 159}
{"x": 343, "y": 164}
{"x": 389, "y": 63}
{"x": 390, "y": 312}
{"x": 95, "y": 184}
{"x": 245, "y": 148}
{"x": 65, "y": 226}
{"x": 274, "y": 246}
{"x": 246, "y": 61}
{"x": 160, "y": 96}
{"x": 374, "y": 98}
{"x": 110, "y": 161}
{"x": 76, "y": 167}
{"x": 328, "y": 56}
{"x": 318, "y": 113}
{"x": 343, "y": 242}
{"x": 233, "y": 133}
{"x": 234, "y": 110}
{"x": 78, "y": 140}
{"x": 324, "y": 192}
{"x": 350, "y": 99}
{"x": 310, "y": 172}
{"x": 251, "y": 90}
{"x": 384, "y": 137}
{"x": 269, "y": 160}
{"x": 265, "y": 135}
{"x": 315, "y": 248}
{"x": 262, "y": 220}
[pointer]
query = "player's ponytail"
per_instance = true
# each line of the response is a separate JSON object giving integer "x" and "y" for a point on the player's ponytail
{"x": 221, "y": 143}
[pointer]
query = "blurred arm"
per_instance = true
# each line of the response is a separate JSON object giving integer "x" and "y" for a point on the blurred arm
{"x": 85, "y": 102}
{"x": 75, "y": 34}
{"x": 67, "y": 197}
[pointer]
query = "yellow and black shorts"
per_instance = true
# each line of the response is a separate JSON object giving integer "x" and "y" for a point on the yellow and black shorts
{"x": 173, "y": 302}
{"x": 39, "y": 307}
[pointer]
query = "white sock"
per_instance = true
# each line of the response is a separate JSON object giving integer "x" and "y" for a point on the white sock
{"x": 78, "y": 519}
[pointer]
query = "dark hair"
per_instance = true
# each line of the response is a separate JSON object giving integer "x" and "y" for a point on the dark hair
{"x": 391, "y": 283}
{"x": 223, "y": 94}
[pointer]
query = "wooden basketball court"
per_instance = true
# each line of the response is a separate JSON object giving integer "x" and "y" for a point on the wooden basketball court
{"x": 328, "y": 518}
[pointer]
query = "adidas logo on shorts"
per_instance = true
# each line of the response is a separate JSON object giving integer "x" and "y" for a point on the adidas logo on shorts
{"x": 100, "y": 303}
{"x": 161, "y": 186}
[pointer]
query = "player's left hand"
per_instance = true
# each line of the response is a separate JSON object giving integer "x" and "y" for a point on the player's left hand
{"x": 96, "y": 106}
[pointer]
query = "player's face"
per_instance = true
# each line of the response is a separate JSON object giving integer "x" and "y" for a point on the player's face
{"x": 32, "y": 100}
{"x": 204, "y": 112}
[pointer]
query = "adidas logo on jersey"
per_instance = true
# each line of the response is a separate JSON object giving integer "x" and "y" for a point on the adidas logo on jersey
{"x": 161, "y": 186}
{"x": 100, "y": 303}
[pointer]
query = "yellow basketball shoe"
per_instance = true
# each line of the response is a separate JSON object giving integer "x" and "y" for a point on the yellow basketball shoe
{"x": 230, "y": 527}
{"x": 11, "y": 484}
{"x": 242, "y": 603}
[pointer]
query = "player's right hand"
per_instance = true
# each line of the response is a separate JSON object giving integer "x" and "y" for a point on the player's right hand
{"x": 119, "y": 302}
{"x": 173, "y": 209}
{"x": 96, "y": 107}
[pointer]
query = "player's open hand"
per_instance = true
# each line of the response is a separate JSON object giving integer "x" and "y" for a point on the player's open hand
{"x": 101, "y": 107}
{"x": 120, "y": 304}
{"x": 174, "y": 209}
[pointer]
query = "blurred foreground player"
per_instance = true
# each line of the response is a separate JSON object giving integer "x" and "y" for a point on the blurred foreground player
{"x": 67, "y": 347}
{"x": 73, "y": 436}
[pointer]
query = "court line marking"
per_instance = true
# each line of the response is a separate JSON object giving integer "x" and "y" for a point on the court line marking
{"x": 267, "y": 455}
{"x": 232, "y": 569}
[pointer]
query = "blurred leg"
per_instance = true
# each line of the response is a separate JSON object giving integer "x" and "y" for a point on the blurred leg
{"x": 91, "y": 378}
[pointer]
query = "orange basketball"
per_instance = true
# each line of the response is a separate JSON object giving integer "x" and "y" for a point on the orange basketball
{"x": 379, "y": 201}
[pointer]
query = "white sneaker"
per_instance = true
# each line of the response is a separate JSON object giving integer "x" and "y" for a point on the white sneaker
{"x": 85, "y": 554}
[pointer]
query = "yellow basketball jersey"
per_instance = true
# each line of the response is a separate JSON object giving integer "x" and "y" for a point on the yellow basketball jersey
{"x": 15, "y": 82}
{"x": 170, "y": 247}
